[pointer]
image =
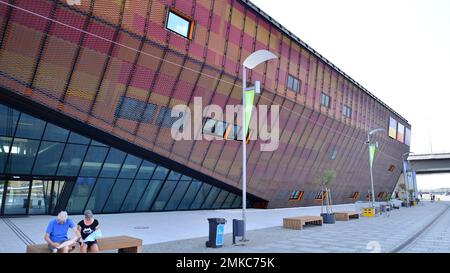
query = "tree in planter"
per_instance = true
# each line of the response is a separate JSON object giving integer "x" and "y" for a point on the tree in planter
{"x": 325, "y": 180}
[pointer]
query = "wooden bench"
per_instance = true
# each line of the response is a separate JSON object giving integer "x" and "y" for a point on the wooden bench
{"x": 346, "y": 215}
{"x": 299, "y": 222}
{"x": 124, "y": 244}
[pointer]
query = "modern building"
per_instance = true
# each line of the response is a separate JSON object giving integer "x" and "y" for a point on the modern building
{"x": 87, "y": 89}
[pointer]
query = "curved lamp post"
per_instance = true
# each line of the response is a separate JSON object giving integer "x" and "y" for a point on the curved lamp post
{"x": 371, "y": 156}
{"x": 250, "y": 62}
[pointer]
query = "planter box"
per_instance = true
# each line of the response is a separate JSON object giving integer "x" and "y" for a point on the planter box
{"x": 328, "y": 218}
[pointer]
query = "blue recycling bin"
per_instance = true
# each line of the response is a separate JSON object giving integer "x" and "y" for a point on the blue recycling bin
{"x": 216, "y": 231}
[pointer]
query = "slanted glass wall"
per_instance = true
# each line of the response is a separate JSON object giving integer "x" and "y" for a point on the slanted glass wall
{"x": 108, "y": 180}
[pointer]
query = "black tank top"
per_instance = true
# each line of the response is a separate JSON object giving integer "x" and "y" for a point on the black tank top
{"x": 87, "y": 230}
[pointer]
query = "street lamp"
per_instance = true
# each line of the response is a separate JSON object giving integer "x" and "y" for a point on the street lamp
{"x": 250, "y": 62}
{"x": 404, "y": 176}
{"x": 371, "y": 156}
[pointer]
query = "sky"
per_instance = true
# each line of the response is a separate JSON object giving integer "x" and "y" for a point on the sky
{"x": 398, "y": 50}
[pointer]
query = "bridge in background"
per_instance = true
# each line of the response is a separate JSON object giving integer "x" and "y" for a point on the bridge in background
{"x": 430, "y": 163}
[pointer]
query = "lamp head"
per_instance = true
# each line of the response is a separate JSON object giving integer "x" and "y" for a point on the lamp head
{"x": 258, "y": 57}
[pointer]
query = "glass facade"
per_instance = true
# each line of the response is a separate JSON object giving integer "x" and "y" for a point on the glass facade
{"x": 45, "y": 168}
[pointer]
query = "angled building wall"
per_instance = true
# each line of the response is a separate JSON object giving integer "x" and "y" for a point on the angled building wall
{"x": 112, "y": 68}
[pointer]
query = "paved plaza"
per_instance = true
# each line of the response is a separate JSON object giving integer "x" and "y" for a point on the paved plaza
{"x": 380, "y": 234}
{"x": 187, "y": 231}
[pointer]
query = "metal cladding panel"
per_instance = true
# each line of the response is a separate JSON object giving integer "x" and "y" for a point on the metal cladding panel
{"x": 114, "y": 66}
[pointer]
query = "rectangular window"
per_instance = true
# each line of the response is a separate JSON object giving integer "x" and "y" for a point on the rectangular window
{"x": 294, "y": 83}
{"x": 320, "y": 195}
{"x": 355, "y": 195}
{"x": 347, "y": 111}
{"x": 400, "y": 132}
{"x": 214, "y": 127}
{"x": 224, "y": 130}
{"x": 296, "y": 195}
{"x": 407, "y": 136}
{"x": 180, "y": 24}
{"x": 136, "y": 110}
{"x": 325, "y": 100}
{"x": 392, "y": 128}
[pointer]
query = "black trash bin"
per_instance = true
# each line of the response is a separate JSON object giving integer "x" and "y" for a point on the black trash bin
{"x": 216, "y": 230}
{"x": 238, "y": 229}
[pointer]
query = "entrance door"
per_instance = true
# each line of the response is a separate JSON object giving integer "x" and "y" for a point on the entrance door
{"x": 39, "y": 197}
{"x": 16, "y": 201}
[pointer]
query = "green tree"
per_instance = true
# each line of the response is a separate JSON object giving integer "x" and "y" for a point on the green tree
{"x": 326, "y": 180}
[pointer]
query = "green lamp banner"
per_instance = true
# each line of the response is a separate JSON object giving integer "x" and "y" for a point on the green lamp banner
{"x": 372, "y": 148}
{"x": 248, "y": 107}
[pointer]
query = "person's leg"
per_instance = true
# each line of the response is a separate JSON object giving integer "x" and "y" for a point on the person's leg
{"x": 65, "y": 249}
{"x": 84, "y": 248}
{"x": 94, "y": 248}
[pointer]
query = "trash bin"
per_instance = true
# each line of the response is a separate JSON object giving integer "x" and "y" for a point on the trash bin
{"x": 238, "y": 229}
{"x": 216, "y": 230}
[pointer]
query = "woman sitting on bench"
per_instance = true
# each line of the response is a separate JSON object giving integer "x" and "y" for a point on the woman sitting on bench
{"x": 88, "y": 228}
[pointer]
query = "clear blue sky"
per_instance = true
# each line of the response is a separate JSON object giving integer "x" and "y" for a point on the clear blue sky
{"x": 399, "y": 50}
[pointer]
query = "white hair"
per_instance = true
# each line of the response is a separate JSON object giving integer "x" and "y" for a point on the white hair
{"x": 62, "y": 216}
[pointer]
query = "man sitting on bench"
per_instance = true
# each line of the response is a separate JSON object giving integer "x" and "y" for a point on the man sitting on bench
{"x": 56, "y": 233}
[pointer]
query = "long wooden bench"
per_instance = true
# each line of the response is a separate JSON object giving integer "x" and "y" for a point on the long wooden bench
{"x": 124, "y": 244}
{"x": 299, "y": 222}
{"x": 346, "y": 215}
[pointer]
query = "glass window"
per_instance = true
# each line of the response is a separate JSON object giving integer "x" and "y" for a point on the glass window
{"x": 130, "y": 166}
{"x": 146, "y": 170}
{"x": 55, "y": 133}
{"x": 80, "y": 195}
{"x": 96, "y": 143}
{"x": 78, "y": 139}
{"x": 134, "y": 195}
{"x": 180, "y": 24}
{"x": 325, "y": 100}
{"x": 8, "y": 120}
{"x": 117, "y": 195}
{"x": 237, "y": 203}
{"x": 72, "y": 159}
{"x": 174, "y": 176}
{"x": 211, "y": 198}
{"x": 392, "y": 128}
{"x": 2, "y": 186}
{"x": 160, "y": 173}
{"x": 5, "y": 146}
{"x": 294, "y": 83}
{"x": 190, "y": 195}
{"x": 214, "y": 127}
{"x": 112, "y": 164}
{"x": 164, "y": 195}
{"x": 229, "y": 201}
{"x": 132, "y": 109}
{"x": 407, "y": 136}
{"x": 220, "y": 199}
{"x": 93, "y": 161}
{"x": 38, "y": 201}
{"x": 186, "y": 178}
{"x": 201, "y": 195}
{"x": 22, "y": 154}
{"x": 400, "y": 132}
{"x": 165, "y": 118}
{"x": 149, "y": 195}
{"x": 48, "y": 158}
{"x": 177, "y": 195}
{"x": 30, "y": 127}
{"x": 99, "y": 194}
